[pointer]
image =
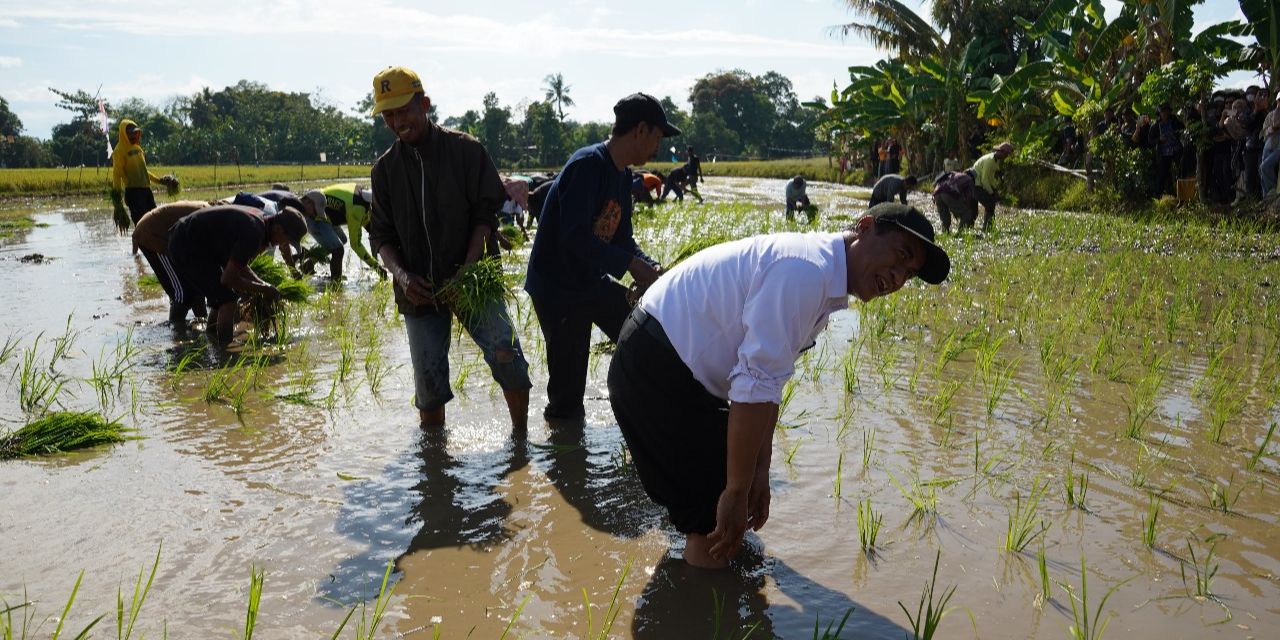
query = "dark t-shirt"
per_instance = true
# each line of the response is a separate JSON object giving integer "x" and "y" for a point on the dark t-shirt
{"x": 218, "y": 234}
{"x": 284, "y": 199}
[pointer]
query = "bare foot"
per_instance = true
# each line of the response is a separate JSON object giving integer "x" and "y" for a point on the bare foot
{"x": 696, "y": 553}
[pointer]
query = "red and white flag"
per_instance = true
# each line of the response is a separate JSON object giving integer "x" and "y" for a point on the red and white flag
{"x": 102, "y": 123}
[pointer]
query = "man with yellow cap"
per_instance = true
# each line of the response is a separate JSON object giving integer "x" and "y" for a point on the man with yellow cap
{"x": 436, "y": 193}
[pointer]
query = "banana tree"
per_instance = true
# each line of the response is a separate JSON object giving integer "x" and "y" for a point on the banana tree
{"x": 1264, "y": 26}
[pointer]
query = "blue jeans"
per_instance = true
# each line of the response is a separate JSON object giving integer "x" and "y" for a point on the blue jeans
{"x": 326, "y": 235}
{"x": 492, "y": 331}
{"x": 1267, "y": 169}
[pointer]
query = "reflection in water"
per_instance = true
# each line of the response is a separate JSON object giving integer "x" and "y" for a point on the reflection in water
{"x": 427, "y": 499}
{"x": 597, "y": 482}
{"x": 682, "y": 601}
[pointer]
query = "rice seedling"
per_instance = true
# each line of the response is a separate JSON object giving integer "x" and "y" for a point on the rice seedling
{"x": 1262, "y": 448}
{"x": 60, "y": 432}
{"x": 1145, "y": 392}
{"x": 276, "y": 275}
{"x": 610, "y": 613}
{"x": 38, "y": 388}
{"x": 1075, "y": 486}
{"x": 694, "y": 245}
{"x": 942, "y": 400}
{"x": 954, "y": 345}
{"x": 140, "y": 591}
{"x": 367, "y": 627}
{"x": 868, "y": 446}
{"x": 1203, "y": 568}
{"x": 9, "y": 347}
{"x": 789, "y": 459}
{"x": 510, "y": 623}
{"x": 923, "y": 497}
{"x": 256, "y": 578}
{"x": 474, "y": 288}
{"x": 827, "y": 633}
{"x": 788, "y": 392}
{"x": 1042, "y": 565}
{"x": 717, "y": 618}
{"x": 998, "y": 381}
{"x": 1150, "y": 521}
{"x": 1088, "y": 624}
{"x": 1221, "y": 496}
{"x": 835, "y": 489}
{"x": 868, "y": 525}
{"x": 108, "y": 374}
{"x": 932, "y": 607}
{"x": 849, "y": 369}
{"x": 1226, "y": 401}
{"x": 62, "y": 345}
{"x": 1023, "y": 526}
{"x": 346, "y": 352}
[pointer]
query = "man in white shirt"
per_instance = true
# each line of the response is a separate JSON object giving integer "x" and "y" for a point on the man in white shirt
{"x": 701, "y": 362}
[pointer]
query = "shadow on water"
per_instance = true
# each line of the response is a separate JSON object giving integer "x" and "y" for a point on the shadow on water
{"x": 427, "y": 499}
{"x": 682, "y": 601}
{"x": 589, "y": 471}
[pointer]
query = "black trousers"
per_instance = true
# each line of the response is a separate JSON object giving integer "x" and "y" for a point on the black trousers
{"x": 676, "y": 431}
{"x": 566, "y": 329}
{"x": 140, "y": 200}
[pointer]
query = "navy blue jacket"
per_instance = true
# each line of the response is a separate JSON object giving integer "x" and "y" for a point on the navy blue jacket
{"x": 584, "y": 234}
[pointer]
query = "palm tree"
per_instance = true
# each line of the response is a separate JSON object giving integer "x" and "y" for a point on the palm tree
{"x": 558, "y": 92}
{"x": 895, "y": 27}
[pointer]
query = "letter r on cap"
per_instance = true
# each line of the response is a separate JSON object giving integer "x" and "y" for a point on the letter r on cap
{"x": 386, "y": 86}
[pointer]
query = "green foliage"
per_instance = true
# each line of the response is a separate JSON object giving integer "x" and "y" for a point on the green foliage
{"x": 1176, "y": 84}
{"x": 62, "y": 432}
{"x": 474, "y": 288}
{"x": 275, "y": 274}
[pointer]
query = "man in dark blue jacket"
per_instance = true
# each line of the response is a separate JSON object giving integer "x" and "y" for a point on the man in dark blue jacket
{"x": 584, "y": 245}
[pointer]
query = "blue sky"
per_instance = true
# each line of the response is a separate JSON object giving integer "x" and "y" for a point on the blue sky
{"x": 156, "y": 50}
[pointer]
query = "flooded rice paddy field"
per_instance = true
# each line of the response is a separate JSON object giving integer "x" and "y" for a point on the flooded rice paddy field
{"x": 1085, "y": 392}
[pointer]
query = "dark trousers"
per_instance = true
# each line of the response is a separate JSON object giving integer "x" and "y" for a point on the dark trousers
{"x": 566, "y": 329}
{"x": 1165, "y": 180}
{"x": 988, "y": 201}
{"x": 676, "y": 431}
{"x": 140, "y": 200}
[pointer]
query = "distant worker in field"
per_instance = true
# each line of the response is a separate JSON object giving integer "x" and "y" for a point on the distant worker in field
{"x": 131, "y": 187}
{"x": 955, "y": 193}
{"x": 585, "y": 244}
{"x": 693, "y": 173}
{"x": 647, "y": 187}
{"x": 211, "y": 250}
{"x": 703, "y": 361}
{"x": 152, "y": 234}
{"x": 797, "y": 198}
{"x": 348, "y": 203}
{"x": 436, "y": 194}
{"x": 892, "y": 186}
{"x": 988, "y": 179}
{"x": 130, "y": 179}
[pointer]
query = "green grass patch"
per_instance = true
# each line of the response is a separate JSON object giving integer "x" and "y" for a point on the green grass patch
{"x": 90, "y": 180}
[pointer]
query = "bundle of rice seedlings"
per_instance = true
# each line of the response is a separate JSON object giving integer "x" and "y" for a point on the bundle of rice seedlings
{"x": 119, "y": 214}
{"x": 171, "y": 184}
{"x": 513, "y": 234}
{"x": 148, "y": 281}
{"x": 276, "y": 275}
{"x": 694, "y": 245}
{"x": 475, "y": 287}
{"x": 62, "y": 431}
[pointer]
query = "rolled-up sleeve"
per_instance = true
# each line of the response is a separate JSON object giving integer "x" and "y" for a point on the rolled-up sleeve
{"x": 779, "y": 318}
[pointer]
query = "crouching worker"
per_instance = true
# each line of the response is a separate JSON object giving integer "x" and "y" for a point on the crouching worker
{"x": 955, "y": 193}
{"x": 151, "y": 235}
{"x": 798, "y": 199}
{"x": 702, "y": 361}
{"x": 435, "y": 195}
{"x": 211, "y": 250}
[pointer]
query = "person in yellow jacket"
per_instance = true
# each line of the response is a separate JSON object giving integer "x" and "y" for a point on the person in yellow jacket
{"x": 988, "y": 178}
{"x": 130, "y": 179}
{"x": 348, "y": 203}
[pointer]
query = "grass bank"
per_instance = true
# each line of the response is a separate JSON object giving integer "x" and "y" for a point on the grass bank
{"x": 90, "y": 180}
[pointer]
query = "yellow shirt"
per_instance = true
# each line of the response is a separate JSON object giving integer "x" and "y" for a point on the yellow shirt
{"x": 987, "y": 173}
{"x": 129, "y": 163}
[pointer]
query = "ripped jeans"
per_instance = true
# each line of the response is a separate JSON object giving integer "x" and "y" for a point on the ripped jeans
{"x": 492, "y": 331}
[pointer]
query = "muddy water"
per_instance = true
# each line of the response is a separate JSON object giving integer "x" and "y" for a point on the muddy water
{"x": 484, "y": 527}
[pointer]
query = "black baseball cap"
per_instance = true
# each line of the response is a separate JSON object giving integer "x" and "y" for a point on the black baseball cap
{"x": 936, "y": 262}
{"x": 642, "y": 107}
{"x": 293, "y": 223}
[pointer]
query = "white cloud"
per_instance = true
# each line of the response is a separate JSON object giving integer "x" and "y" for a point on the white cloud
{"x": 6, "y": 23}
{"x": 9, "y": 62}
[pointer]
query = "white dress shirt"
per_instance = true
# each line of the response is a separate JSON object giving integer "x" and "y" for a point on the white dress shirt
{"x": 739, "y": 314}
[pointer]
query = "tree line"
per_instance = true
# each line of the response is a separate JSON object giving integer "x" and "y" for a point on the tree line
{"x": 734, "y": 114}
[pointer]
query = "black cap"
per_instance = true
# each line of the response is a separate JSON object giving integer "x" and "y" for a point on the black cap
{"x": 642, "y": 107}
{"x": 293, "y": 223}
{"x": 936, "y": 263}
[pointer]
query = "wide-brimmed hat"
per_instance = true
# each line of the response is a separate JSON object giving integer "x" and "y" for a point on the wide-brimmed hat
{"x": 936, "y": 262}
{"x": 393, "y": 87}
